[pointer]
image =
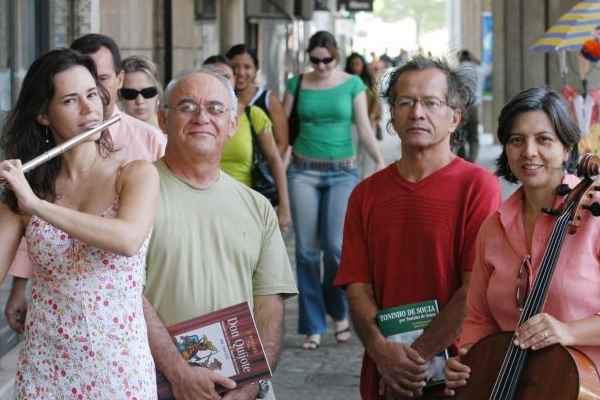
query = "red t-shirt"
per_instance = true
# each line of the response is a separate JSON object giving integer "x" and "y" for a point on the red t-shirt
{"x": 411, "y": 241}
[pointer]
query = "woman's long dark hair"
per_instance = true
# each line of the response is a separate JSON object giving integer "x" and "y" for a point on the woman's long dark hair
{"x": 24, "y": 138}
{"x": 365, "y": 75}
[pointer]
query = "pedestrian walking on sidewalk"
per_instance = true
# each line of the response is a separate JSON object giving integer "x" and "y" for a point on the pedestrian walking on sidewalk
{"x": 320, "y": 178}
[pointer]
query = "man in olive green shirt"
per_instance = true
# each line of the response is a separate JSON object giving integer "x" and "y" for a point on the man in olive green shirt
{"x": 215, "y": 241}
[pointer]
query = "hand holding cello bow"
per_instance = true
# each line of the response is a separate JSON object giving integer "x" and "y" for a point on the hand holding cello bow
{"x": 533, "y": 274}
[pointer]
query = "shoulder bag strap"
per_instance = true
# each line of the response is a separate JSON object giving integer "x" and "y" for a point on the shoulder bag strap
{"x": 247, "y": 111}
{"x": 296, "y": 94}
{"x": 255, "y": 149}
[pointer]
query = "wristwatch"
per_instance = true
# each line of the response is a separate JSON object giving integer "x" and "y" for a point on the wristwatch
{"x": 263, "y": 389}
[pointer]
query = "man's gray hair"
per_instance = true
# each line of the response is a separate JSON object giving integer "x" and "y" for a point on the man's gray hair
{"x": 208, "y": 71}
{"x": 462, "y": 84}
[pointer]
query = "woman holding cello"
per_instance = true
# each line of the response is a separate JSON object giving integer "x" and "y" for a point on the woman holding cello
{"x": 537, "y": 135}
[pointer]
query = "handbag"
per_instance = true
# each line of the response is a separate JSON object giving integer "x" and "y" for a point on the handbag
{"x": 262, "y": 179}
{"x": 294, "y": 119}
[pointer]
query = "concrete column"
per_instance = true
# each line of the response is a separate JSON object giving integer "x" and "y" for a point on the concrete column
{"x": 454, "y": 10}
{"x": 470, "y": 26}
{"x": 517, "y": 25}
{"x": 22, "y": 51}
{"x": 131, "y": 24}
{"x": 231, "y": 15}
{"x": 138, "y": 27}
{"x": 60, "y": 14}
{"x": 535, "y": 71}
{"x": 499, "y": 73}
{"x": 556, "y": 8}
{"x": 94, "y": 15}
{"x": 185, "y": 37}
{"x": 85, "y": 17}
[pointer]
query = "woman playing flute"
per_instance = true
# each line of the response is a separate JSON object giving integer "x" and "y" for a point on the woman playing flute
{"x": 86, "y": 218}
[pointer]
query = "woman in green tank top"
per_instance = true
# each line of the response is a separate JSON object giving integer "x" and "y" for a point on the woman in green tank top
{"x": 320, "y": 178}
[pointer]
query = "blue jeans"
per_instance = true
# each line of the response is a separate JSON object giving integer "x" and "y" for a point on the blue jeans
{"x": 318, "y": 201}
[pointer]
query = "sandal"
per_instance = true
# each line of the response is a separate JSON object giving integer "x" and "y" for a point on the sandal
{"x": 311, "y": 342}
{"x": 340, "y": 336}
{"x": 310, "y": 345}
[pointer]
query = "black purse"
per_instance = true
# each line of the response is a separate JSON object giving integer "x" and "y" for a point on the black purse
{"x": 262, "y": 179}
{"x": 294, "y": 119}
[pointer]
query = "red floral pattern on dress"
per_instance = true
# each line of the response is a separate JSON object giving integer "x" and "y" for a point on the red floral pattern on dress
{"x": 85, "y": 334}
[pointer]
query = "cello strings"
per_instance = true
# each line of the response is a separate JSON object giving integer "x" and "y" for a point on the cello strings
{"x": 547, "y": 270}
{"x": 537, "y": 299}
{"x": 514, "y": 360}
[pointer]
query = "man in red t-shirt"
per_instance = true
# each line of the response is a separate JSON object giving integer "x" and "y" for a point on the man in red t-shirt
{"x": 410, "y": 229}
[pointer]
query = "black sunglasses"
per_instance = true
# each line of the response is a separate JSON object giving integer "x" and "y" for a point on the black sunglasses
{"x": 317, "y": 60}
{"x": 132, "y": 94}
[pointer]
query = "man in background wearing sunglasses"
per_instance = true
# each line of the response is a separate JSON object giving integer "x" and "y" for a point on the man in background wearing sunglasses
{"x": 132, "y": 140}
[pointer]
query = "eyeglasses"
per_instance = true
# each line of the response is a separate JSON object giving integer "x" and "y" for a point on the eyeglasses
{"x": 523, "y": 282}
{"x": 317, "y": 60}
{"x": 213, "y": 108}
{"x": 132, "y": 94}
{"x": 430, "y": 103}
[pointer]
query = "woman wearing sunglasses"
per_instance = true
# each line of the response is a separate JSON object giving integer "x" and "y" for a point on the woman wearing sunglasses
{"x": 537, "y": 136}
{"x": 141, "y": 89}
{"x": 320, "y": 178}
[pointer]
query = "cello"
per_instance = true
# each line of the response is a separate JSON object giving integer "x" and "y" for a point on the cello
{"x": 501, "y": 370}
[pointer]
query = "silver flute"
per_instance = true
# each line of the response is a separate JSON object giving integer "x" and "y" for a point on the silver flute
{"x": 63, "y": 147}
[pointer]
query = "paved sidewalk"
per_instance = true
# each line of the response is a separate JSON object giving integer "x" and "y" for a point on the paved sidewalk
{"x": 331, "y": 372}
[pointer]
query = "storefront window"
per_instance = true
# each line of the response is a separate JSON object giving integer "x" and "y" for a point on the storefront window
{"x": 5, "y": 75}
{"x": 22, "y": 33}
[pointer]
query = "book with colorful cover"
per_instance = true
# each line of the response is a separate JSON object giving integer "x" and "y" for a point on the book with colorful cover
{"x": 405, "y": 324}
{"x": 225, "y": 341}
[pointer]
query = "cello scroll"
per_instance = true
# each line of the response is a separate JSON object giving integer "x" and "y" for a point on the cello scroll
{"x": 588, "y": 168}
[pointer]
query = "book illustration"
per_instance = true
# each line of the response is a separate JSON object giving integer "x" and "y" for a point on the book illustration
{"x": 404, "y": 324}
{"x": 225, "y": 341}
{"x": 207, "y": 348}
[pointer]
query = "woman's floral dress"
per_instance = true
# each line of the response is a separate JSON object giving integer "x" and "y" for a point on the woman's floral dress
{"x": 85, "y": 334}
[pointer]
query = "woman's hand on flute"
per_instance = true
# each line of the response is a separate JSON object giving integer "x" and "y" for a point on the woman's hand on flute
{"x": 11, "y": 171}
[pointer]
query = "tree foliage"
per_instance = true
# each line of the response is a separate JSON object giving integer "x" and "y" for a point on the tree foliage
{"x": 428, "y": 14}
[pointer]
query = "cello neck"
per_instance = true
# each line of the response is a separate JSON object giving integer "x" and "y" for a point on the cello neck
{"x": 537, "y": 297}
